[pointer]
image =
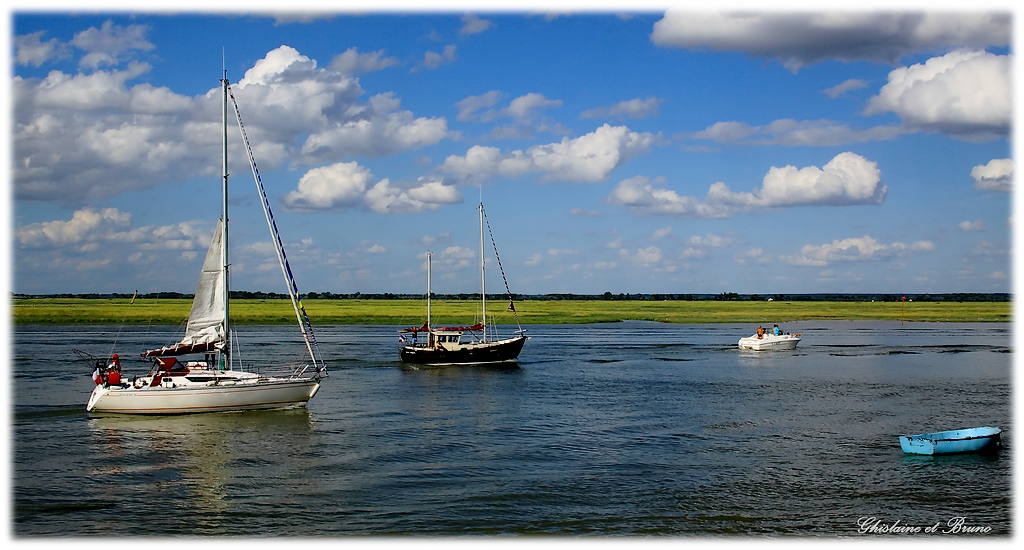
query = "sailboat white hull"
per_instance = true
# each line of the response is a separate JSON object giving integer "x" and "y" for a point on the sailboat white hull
{"x": 265, "y": 394}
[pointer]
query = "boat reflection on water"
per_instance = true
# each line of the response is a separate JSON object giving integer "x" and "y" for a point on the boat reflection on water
{"x": 200, "y": 456}
{"x": 446, "y": 370}
{"x": 923, "y": 461}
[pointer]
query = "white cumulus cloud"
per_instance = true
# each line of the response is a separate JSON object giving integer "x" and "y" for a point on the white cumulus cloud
{"x": 435, "y": 60}
{"x": 965, "y": 93}
{"x": 525, "y": 113}
{"x": 103, "y": 132}
{"x": 522, "y": 109}
{"x": 857, "y": 249}
{"x": 661, "y": 233}
{"x": 109, "y": 44}
{"x": 800, "y": 39}
{"x": 349, "y": 185}
{"x": 588, "y": 158}
{"x": 709, "y": 240}
{"x": 997, "y": 175}
{"x": 631, "y": 108}
{"x": 795, "y": 132}
{"x": 30, "y": 49}
{"x": 383, "y": 131}
{"x": 472, "y": 24}
{"x": 473, "y": 107}
{"x": 846, "y": 86}
{"x": 846, "y": 180}
{"x": 753, "y": 256}
{"x": 104, "y": 240}
{"x": 457, "y": 257}
{"x": 642, "y": 196}
{"x": 76, "y": 136}
{"x": 645, "y": 256}
{"x": 967, "y": 225}
{"x": 352, "y": 62}
{"x": 85, "y": 225}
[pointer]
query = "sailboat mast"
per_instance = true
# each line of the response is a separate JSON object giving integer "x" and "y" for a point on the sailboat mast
{"x": 224, "y": 218}
{"x": 483, "y": 282}
{"x": 428, "y": 290}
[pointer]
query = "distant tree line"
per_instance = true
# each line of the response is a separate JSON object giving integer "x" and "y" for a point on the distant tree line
{"x": 724, "y": 296}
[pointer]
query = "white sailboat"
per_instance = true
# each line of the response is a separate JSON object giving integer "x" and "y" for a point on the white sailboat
{"x": 465, "y": 345}
{"x": 210, "y": 381}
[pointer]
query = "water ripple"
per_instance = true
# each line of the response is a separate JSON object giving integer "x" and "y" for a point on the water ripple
{"x": 676, "y": 433}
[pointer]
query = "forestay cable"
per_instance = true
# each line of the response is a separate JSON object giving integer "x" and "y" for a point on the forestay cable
{"x": 511, "y": 304}
{"x": 304, "y": 323}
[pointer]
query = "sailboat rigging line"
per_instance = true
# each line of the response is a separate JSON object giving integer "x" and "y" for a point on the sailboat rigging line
{"x": 304, "y": 323}
{"x": 124, "y": 319}
{"x": 511, "y": 305}
{"x": 236, "y": 351}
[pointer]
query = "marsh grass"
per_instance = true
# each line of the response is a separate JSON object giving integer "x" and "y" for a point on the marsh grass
{"x": 63, "y": 311}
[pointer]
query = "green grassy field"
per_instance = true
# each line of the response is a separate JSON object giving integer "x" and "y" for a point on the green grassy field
{"x": 63, "y": 311}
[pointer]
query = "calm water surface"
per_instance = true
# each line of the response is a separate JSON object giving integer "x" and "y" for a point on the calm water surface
{"x": 612, "y": 429}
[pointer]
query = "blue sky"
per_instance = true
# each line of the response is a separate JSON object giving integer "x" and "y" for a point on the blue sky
{"x": 659, "y": 151}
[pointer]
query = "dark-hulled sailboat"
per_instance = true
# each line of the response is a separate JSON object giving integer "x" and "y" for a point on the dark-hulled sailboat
{"x": 475, "y": 344}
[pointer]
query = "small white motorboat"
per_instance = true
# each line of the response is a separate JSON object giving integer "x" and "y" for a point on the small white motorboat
{"x": 769, "y": 341}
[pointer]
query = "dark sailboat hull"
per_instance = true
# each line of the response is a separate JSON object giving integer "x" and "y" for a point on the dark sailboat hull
{"x": 473, "y": 354}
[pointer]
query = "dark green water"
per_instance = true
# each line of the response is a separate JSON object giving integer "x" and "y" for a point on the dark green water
{"x": 601, "y": 430}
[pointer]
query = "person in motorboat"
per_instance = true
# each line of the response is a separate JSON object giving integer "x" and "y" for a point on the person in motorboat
{"x": 777, "y": 331}
{"x": 760, "y": 332}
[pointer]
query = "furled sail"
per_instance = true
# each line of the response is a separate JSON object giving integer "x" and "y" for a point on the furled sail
{"x": 205, "y": 328}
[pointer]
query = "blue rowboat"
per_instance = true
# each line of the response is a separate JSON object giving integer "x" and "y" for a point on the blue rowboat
{"x": 967, "y": 440}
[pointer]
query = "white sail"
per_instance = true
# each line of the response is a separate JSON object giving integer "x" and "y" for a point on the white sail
{"x": 205, "y": 328}
{"x": 206, "y": 320}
